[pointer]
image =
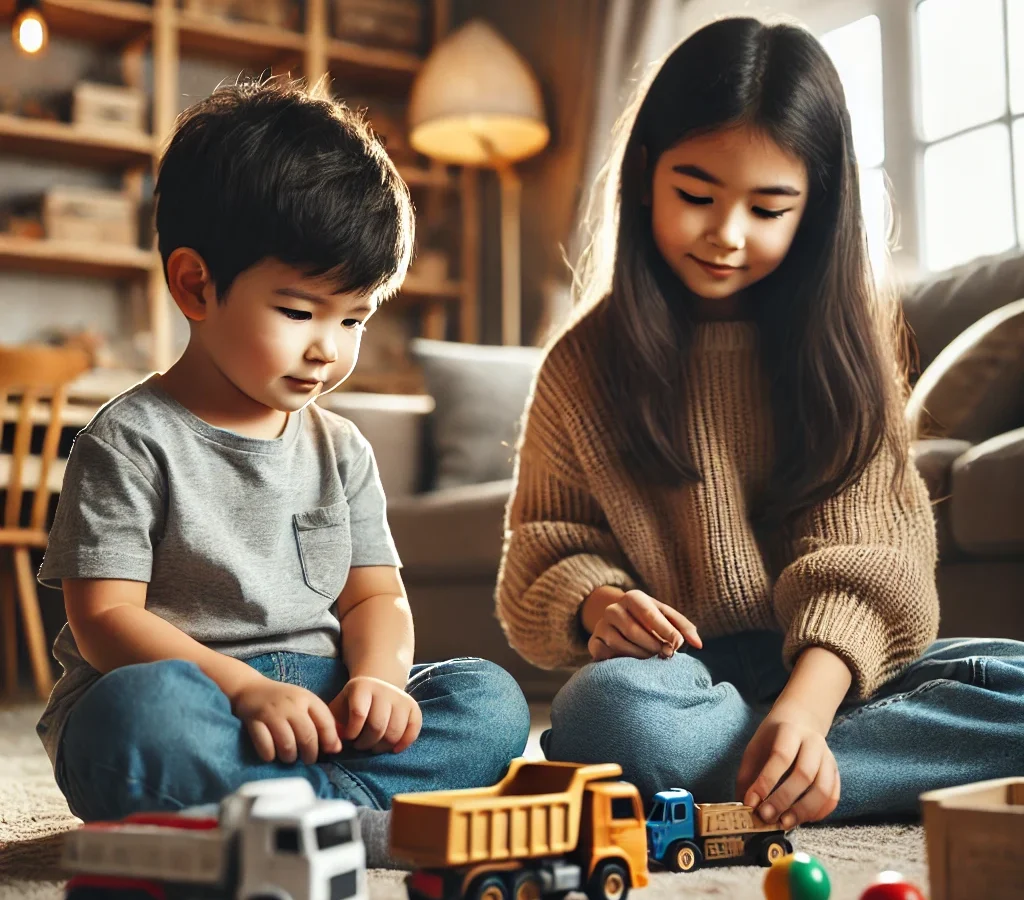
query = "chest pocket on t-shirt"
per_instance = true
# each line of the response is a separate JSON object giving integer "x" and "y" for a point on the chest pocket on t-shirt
{"x": 325, "y": 547}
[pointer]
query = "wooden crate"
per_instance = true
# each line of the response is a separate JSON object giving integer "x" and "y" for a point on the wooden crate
{"x": 108, "y": 106}
{"x": 89, "y": 215}
{"x": 975, "y": 838}
{"x": 386, "y": 23}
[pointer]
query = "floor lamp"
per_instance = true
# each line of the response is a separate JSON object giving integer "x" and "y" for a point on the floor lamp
{"x": 476, "y": 102}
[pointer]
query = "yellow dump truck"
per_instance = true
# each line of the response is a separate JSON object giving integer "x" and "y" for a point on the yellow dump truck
{"x": 546, "y": 829}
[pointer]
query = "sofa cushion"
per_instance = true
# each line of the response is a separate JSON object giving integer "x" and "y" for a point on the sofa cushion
{"x": 394, "y": 426}
{"x": 975, "y": 387}
{"x": 934, "y": 459}
{"x": 987, "y": 498}
{"x": 941, "y": 307}
{"x": 456, "y": 531}
{"x": 479, "y": 394}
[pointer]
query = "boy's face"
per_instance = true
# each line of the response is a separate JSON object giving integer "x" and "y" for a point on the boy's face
{"x": 282, "y": 337}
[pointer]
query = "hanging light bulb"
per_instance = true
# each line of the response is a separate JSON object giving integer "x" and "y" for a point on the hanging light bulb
{"x": 29, "y": 31}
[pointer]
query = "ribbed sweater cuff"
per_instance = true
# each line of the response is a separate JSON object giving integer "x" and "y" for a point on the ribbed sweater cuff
{"x": 562, "y": 590}
{"x": 849, "y": 628}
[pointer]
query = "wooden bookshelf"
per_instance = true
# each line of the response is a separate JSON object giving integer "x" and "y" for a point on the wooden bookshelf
{"x": 106, "y": 22}
{"x": 76, "y": 258}
{"x": 161, "y": 27}
{"x": 244, "y": 42}
{"x": 103, "y": 148}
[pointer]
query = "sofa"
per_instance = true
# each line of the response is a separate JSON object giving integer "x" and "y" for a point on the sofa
{"x": 446, "y": 465}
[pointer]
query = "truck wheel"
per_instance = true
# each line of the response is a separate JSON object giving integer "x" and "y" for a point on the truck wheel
{"x": 684, "y": 856}
{"x": 525, "y": 886}
{"x": 772, "y": 849}
{"x": 610, "y": 881}
{"x": 488, "y": 887}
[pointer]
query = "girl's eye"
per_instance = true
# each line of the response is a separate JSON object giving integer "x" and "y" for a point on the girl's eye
{"x": 769, "y": 213}
{"x": 691, "y": 198}
{"x": 296, "y": 315}
{"x": 352, "y": 323}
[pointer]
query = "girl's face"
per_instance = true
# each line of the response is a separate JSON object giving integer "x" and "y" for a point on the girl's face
{"x": 725, "y": 208}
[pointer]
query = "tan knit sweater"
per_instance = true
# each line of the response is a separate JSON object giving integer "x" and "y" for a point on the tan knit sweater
{"x": 858, "y": 578}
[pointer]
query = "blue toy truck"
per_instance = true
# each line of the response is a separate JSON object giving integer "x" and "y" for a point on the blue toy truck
{"x": 683, "y": 835}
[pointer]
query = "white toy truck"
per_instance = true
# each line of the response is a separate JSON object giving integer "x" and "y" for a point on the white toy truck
{"x": 270, "y": 840}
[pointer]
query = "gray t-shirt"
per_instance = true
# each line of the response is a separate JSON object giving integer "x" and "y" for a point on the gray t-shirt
{"x": 245, "y": 543}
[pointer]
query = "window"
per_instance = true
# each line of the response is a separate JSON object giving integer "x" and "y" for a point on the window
{"x": 856, "y": 51}
{"x": 334, "y": 833}
{"x": 287, "y": 840}
{"x": 679, "y": 812}
{"x": 971, "y": 73}
{"x": 622, "y": 808}
{"x": 657, "y": 812}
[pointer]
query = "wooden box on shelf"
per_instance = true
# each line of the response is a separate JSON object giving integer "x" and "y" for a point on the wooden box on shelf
{"x": 90, "y": 215}
{"x": 276, "y": 13}
{"x": 218, "y": 9}
{"x": 385, "y": 23}
{"x": 108, "y": 106}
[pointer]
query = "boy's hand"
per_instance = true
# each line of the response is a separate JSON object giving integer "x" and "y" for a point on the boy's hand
{"x": 635, "y": 624}
{"x": 375, "y": 715}
{"x": 788, "y": 772}
{"x": 286, "y": 721}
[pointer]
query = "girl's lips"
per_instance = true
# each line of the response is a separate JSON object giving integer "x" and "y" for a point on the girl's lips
{"x": 713, "y": 269}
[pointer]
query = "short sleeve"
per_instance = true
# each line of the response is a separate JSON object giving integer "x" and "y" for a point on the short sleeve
{"x": 109, "y": 518}
{"x": 372, "y": 544}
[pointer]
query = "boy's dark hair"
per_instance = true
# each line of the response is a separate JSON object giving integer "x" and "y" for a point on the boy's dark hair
{"x": 826, "y": 339}
{"x": 268, "y": 169}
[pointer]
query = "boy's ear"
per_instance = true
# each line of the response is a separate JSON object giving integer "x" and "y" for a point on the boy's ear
{"x": 188, "y": 280}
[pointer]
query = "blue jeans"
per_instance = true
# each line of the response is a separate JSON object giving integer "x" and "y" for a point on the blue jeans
{"x": 955, "y": 716}
{"x": 161, "y": 736}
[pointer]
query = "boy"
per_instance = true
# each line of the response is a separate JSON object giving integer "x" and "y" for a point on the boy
{"x": 235, "y": 610}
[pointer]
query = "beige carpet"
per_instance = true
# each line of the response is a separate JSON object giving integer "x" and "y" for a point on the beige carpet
{"x": 33, "y": 817}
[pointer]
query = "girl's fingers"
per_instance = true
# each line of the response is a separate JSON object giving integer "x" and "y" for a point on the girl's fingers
{"x": 682, "y": 625}
{"x": 832, "y": 802}
{"x": 646, "y": 611}
{"x": 607, "y": 643}
{"x": 784, "y": 751}
{"x": 814, "y": 798}
{"x": 376, "y": 725}
{"x": 261, "y": 739}
{"x": 798, "y": 780}
{"x": 356, "y": 708}
{"x": 632, "y": 630}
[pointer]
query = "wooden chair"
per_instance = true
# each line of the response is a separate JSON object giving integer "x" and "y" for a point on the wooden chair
{"x": 33, "y": 390}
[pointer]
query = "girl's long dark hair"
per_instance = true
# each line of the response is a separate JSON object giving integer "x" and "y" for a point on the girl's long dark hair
{"x": 827, "y": 338}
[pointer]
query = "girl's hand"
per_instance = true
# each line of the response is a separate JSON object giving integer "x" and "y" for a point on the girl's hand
{"x": 788, "y": 773}
{"x": 375, "y": 715}
{"x": 634, "y": 624}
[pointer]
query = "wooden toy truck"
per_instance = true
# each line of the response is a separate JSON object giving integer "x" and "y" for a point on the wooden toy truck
{"x": 546, "y": 829}
{"x": 271, "y": 840}
{"x": 682, "y": 835}
{"x": 975, "y": 840}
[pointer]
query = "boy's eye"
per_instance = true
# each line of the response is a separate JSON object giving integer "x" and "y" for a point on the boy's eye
{"x": 769, "y": 213}
{"x": 692, "y": 198}
{"x": 296, "y": 315}
{"x": 352, "y": 323}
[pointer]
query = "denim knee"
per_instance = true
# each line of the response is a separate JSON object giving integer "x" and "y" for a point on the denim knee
{"x": 128, "y": 729}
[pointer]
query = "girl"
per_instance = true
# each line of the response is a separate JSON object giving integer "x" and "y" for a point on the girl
{"x": 714, "y": 462}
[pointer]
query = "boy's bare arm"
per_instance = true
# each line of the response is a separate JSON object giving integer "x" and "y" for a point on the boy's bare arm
{"x": 112, "y": 628}
{"x": 376, "y": 625}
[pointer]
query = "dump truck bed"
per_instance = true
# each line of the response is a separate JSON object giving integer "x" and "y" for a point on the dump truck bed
{"x": 534, "y": 811}
{"x": 729, "y": 818}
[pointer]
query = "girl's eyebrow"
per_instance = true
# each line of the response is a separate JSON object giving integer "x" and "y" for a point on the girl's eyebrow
{"x": 777, "y": 190}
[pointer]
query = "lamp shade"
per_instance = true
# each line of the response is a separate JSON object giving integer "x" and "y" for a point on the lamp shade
{"x": 476, "y": 102}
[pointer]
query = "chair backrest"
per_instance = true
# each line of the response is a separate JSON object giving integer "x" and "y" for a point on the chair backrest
{"x": 33, "y": 390}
